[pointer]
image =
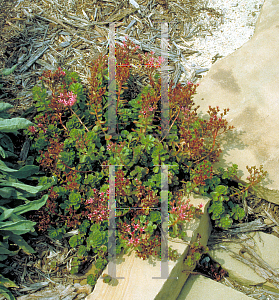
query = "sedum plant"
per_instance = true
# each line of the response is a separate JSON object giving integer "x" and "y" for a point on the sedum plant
{"x": 71, "y": 142}
{"x": 227, "y": 193}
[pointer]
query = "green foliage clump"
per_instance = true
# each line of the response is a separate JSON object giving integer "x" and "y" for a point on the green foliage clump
{"x": 225, "y": 208}
{"x": 73, "y": 140}
{"x": 196, "y": 250}
{"x": 17, "y": 196}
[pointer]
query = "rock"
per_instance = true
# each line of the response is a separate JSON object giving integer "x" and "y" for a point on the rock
{"x": 237, "y": 270}
{"x": 246, "y": 82}
{"x": 199, "y": 287}
{"x": 267, "y": 247}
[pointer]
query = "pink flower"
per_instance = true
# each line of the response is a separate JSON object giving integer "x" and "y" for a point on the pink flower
{"x": 136, "y": 226}
{"x": 60, "y": 72}
{"x": 72, "y": 98}
{"x": 91, "y": 200}
{"x": 182, "y": 215}
{"x": 32, "y": 129}
{"x": 161, "y": 59}
{"x": 142, "y": 229}
{"x": 131, "y": 241}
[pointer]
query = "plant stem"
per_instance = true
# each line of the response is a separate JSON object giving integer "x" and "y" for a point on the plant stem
{"x": 212, "y": 148}
{"x": 60, "y": 120}
{"x": 172, "y": 124}
{"x": 99, "y": 121}
{"x": 79, "y": 120}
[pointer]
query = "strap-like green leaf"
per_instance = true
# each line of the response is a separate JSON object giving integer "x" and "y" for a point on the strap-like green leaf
{"x": 28, "y": 188}
{"x": 23, "y": 172}
{"x": 17, "y": 239}
{"x": 19, "y": 227}
{"x": 32, "y": 205}
{"x": 9, "y": 71}
{"x": 7, "y": 282}
{"x": 2, "y": 152}
{"x": 5, "y": 213}
{"x": 6, "y": 251}
{"x": 14, "y": 124}
{"x": 5, "y": 106}
{"x": 6, "y": 293}
{"x": 10, "y": 193}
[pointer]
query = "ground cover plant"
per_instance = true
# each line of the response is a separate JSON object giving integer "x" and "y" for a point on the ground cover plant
{"x": 71, "y": 143}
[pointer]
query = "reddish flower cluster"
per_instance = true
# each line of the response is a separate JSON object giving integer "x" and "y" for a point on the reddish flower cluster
{"x": 32, "y": 129}
{"x": 203, "y": 171}
{"x": 146, "y": 197}
{"x": 182, "y": 211}
{"x": 135, "y": 235}
{"x": 48, "y": 158}
{"x": 97, "y": 207}
{"x": 72, "y": 98}
{"x": 46, "y": 215}
{"x": 150, "y": 61}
